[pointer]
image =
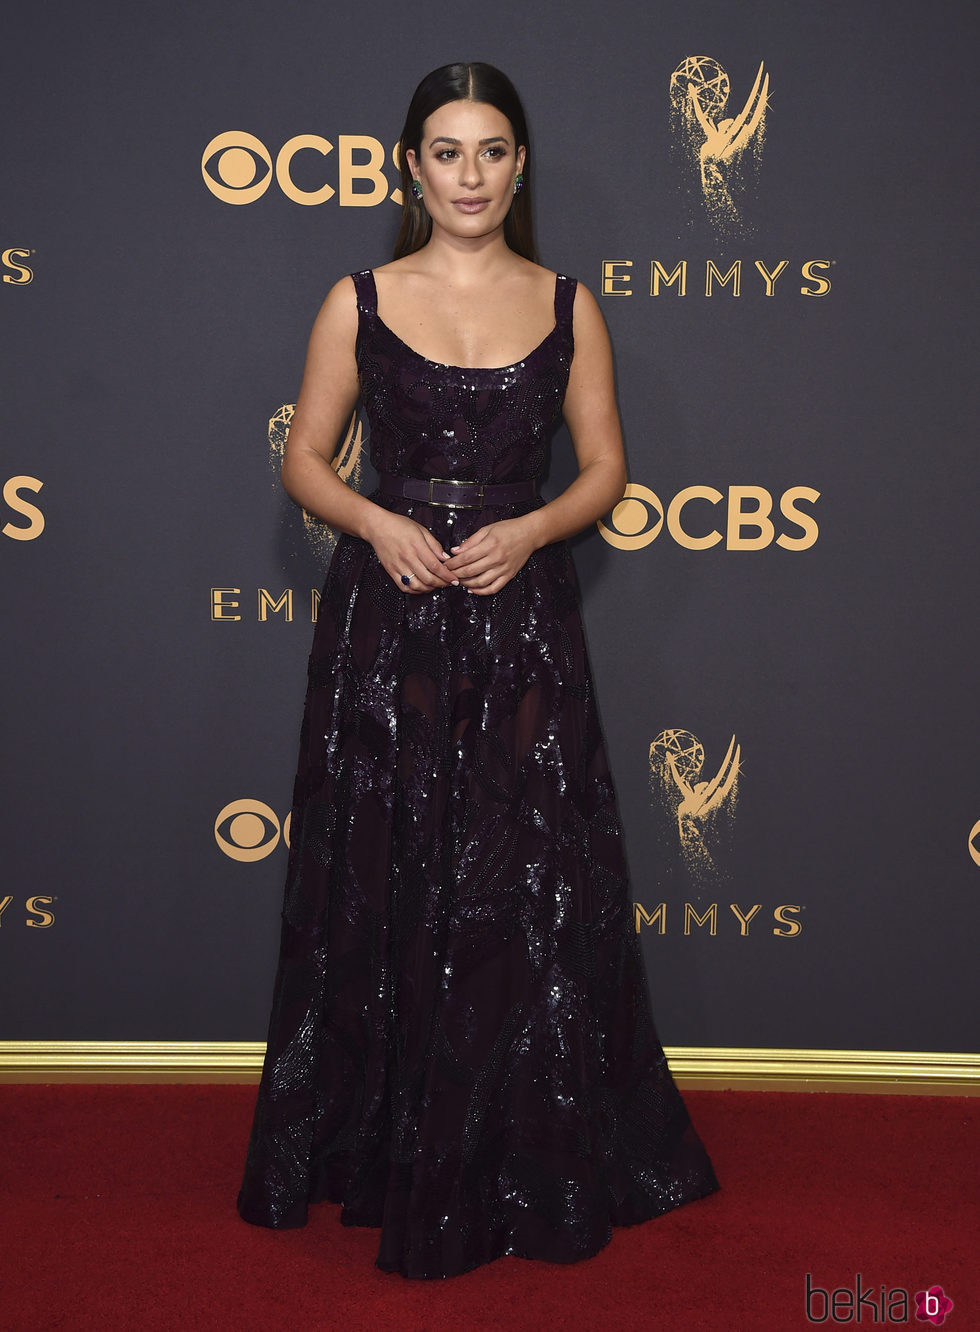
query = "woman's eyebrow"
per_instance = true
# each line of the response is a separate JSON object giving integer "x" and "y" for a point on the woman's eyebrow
{"x": 444, "y": 138}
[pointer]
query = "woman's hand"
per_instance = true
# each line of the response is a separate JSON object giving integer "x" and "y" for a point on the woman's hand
{"x": 405, "y": 547}
{"x": 486, "y": 561}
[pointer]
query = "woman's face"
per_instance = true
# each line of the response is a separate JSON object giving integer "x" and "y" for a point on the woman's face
{"x": 466, "y": 165}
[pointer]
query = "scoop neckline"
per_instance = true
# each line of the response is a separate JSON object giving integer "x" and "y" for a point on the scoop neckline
{"x": 465, "y": 369}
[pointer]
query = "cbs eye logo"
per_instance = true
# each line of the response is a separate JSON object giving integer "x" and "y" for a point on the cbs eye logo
{"x": 635, "y": 521}
{"x": 746, "y": 519}
{"x": 249, "y": 830}
{"x": 973, "y": 843}
{"x": 238, "y": 169}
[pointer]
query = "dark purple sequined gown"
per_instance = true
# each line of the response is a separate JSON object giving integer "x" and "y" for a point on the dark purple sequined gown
{"x": 461, "y": 1050}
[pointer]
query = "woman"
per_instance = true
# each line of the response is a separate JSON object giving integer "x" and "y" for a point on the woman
{"x": 461, "y": 1050}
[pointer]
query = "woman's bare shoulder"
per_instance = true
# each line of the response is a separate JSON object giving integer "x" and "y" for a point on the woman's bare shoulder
{"x": 533, "y": 269}
{"x": 407, "y": 266}
{"x": 585, "y": 306}
{"x": 342, "y": 297}
{"x": 343, "y": 293}
{"x": 337, "y": 316}
{"x": 544, "y": 277}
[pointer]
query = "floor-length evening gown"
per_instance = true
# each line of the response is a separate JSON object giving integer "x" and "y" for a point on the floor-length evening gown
{"x": 461, "y": 1049}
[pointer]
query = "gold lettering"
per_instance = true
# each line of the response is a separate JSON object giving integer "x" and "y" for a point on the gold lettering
{"x": 610, "y": 277}
{"x": 285, "y": 160}
{"x": 396, "y": 157}
{"x": 266, "y": 604}
{"x": 788, "y": 509}
{"x": 314, "y": 605}
{"x": 659, "y": 917}
{"x": 744, "y": 920}
{"x": 6, "y": 901}
{"x": 46, "y": 917}
{"x": 221, "y": 601}
{"x": 675, "y": 508}
{"x": 821, "y": 285}
{"x": 739, "y": 518}
{"x": 21, "y": 274}
{"x": 658, "y": 275}
{"x": 711, "y": 914}
{"x": 12, "y": 499}
{"x": 770, "y": 278}
{"x": 793, "y": 926}
{"x": 712, "y": 274}
{"x": 369, "y": 170}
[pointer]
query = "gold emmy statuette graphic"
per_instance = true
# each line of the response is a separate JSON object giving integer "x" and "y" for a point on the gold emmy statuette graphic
{"x": 348, "y": 464}
{"x": 704, "y": 810}
{"x": 714, "y": 143}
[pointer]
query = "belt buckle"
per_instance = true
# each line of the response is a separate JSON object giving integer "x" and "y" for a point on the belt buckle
{"x": 448, "y": 481}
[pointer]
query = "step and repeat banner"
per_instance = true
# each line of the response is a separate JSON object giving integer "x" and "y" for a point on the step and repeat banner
{"x": 771, "y": 204}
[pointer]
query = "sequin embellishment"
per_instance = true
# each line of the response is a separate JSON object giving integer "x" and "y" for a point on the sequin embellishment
{"x": 461, "y": 1049}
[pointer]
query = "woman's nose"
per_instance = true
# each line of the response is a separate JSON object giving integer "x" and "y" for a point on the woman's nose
{"x": 470, "y": 173}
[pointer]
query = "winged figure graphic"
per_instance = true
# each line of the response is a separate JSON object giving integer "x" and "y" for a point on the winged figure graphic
{"x": 702, "y": 798}
{"x": 699, "y": 89}
{"x": 704, "y": 809}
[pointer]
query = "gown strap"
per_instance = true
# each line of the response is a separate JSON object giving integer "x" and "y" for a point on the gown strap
{"x": 564, "y": 301}
{"x": 367, "y": 292}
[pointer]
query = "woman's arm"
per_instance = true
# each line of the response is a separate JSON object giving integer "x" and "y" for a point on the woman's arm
{"x": 488, "y": 559}
{"x": 327, "y": 397}
{"x": 592, "y": 418}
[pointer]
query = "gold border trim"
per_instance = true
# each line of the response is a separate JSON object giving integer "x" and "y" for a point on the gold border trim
{"x": 894, "y": 1071}
{"x": 131, "y": 1061}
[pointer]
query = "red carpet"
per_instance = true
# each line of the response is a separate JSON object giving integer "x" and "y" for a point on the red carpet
{"x": 117, "y": 1212}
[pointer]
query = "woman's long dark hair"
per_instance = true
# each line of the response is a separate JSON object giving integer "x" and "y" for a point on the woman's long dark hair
{"x": 474, "y": 82}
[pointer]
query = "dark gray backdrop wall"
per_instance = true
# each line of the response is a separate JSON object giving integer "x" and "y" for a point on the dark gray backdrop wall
{"x": 790, "y": 700}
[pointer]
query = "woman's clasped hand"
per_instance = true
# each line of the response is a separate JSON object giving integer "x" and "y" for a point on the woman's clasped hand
{"x": 484, "y": 563}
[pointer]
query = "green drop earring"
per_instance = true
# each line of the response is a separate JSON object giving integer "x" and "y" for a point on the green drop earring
{"x": 417, "y": 190}
{"x": 518, "y": 182}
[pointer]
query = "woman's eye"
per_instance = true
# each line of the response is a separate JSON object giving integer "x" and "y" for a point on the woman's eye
{"x": 494, "y": 154}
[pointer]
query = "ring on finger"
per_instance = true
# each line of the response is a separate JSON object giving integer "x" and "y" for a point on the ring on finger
{"x": 407, "y": 579}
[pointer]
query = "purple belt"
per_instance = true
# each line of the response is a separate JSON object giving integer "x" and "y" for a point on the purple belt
{"x": 456, "y": 494}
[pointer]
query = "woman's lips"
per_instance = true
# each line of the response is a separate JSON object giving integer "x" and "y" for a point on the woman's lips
{"x": 470, "y": 205}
